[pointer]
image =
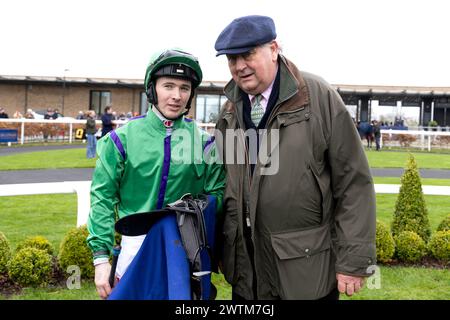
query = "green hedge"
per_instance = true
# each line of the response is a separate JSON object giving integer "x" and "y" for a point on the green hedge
{"x": 384, "y": 243}
{"x": 439, "y": 245}
{"x": 37, "y": 242}
{"x": 445, "y": 224}
{"x": 5, "y": 253}
{"x": 410, "y": 247}
{"x": 30, "y": 267}
{"x": 75, "y": 251}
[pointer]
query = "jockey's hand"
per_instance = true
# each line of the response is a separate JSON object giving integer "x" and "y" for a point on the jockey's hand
{"x": 102, "y": 272}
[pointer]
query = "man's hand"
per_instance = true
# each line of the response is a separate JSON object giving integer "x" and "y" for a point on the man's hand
{"x": 349, "y": 284}
{"x": 102, "y": 272}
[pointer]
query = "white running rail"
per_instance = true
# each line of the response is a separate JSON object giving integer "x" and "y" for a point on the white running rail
{"x": 82, "y": 189}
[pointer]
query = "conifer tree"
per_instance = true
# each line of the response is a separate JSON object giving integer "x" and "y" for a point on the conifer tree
{"x": 411, "y": 213}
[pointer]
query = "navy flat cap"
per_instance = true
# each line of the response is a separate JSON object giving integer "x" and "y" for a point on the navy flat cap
{"x": 245, "y": 33}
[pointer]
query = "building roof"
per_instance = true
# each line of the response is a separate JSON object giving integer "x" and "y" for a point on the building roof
{"x": 392, "y": 90}
{"x": 91, "y": 81}
{"x": 344, "y": 89}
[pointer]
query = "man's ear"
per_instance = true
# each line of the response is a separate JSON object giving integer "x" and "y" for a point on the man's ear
{"x": 275, "y": 49}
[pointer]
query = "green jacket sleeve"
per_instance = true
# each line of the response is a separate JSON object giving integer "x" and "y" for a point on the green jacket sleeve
{"x": 104, "y": 197}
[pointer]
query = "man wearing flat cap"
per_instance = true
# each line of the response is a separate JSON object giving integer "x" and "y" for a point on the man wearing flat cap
{"x": 306, "y": 231}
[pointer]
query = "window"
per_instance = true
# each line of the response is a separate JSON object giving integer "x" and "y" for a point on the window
{"x": 99, "y": 100}
{"x": 208, "y": 107}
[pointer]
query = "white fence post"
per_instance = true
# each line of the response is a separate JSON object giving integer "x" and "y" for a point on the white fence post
{"x": 70, "y": 132}
{"x": 22, "y": 134}
{"x": 83, "y": 189}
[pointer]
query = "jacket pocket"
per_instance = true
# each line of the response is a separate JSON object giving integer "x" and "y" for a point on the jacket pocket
{"x": 304, "y": 262}
{"x": 288, "y": 118}
{"x": 229, "y": 253}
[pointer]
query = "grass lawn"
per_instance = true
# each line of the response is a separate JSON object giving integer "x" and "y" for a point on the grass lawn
{"x": 408, "y": 283}
{"x": 396, "y": 283}
{"x": 76, "y": 158}
{"x": 54, "y": 159}
{"x": 50, "y": 216}
{"x": 396, "y": 159}
{"x": 53, "y": 215}
{"x": 86, "y": 292}
{"x": 438, "y": 208}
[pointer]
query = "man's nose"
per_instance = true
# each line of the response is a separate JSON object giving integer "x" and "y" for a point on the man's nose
{"x": 240, "y": 63}
{"x": 176, "y": 94}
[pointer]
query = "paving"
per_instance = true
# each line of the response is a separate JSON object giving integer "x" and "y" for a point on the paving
{"x": 60, "y": 175}
{"x": 85, "y": 174}
{"x": 4, "y": 151}
{"x": 424, "y": 173}
{"x": 47, "y": 175}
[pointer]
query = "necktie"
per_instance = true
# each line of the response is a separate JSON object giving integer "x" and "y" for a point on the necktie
{"x": 257, "y": 110}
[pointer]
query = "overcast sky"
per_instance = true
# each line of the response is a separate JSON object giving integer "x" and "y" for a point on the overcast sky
{"x": 392, "y": 42}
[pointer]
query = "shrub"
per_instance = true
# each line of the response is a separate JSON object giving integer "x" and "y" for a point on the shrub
{"x": 439, "y": 245}
{"x": 30, "y": 267}
{"x": 384, "y": 242}
{"x": 432, "y": 123}
{"x": 410, "y": 247}
{"x": 75, "y": 251}
{"x": 445, "y": 224}
{"x": 5, "y": 253}
{"x": 37, "y": 242}
{"x": 411, "y": 213}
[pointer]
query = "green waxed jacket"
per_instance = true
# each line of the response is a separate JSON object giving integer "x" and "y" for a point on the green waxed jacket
{"x": 314, "y": 216}
{"x": 141, "y": 168}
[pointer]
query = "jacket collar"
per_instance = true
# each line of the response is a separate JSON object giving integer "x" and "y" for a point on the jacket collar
{"x": 293, "y": 83}
{"x": 157, "y": 123}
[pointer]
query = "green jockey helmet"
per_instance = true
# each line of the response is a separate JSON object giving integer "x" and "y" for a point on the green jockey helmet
{"x": 172, "y": 63}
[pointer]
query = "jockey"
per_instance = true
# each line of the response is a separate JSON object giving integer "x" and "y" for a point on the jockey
{"x": 150, "y": 162}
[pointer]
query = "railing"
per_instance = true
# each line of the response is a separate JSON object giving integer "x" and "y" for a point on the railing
{"x": 31, "y": 130}
{"x": 63, "y": 130}
{"x": 58, "y": 130}
{"x": 415, "y": 139}
{"x": 82, "y": 189}
{"x": 425, "y": 128}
